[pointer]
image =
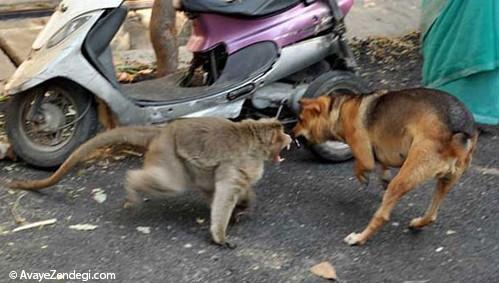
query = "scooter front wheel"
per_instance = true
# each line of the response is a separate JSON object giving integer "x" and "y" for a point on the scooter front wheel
{"x": 46, "y": 124}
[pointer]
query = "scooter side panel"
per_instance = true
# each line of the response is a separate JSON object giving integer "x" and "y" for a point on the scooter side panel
{"x": 284, "y": 29}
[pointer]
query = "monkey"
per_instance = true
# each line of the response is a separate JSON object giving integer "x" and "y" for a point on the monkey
{"x": 220, "y": 158}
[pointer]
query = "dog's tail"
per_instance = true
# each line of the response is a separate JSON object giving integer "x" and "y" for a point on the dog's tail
{"x": 136, "y": 136}
{"x": 463, "y": 146}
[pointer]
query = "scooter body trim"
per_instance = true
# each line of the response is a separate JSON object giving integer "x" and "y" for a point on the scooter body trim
{"x": 293, "y": 25}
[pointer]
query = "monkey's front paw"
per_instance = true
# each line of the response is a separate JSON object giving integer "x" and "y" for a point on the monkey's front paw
{"x": 218, "y": 237}
{"x": 354, "y": 239}
{"x": 225, "y": 244}
{"x": 229, "y": 245}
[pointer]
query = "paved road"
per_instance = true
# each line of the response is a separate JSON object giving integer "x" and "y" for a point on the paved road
{"x": 305, "y": 208}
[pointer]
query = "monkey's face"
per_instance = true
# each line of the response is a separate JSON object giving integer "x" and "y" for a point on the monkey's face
{"x": 313, "y": 121}
{"x": 270, "y": 136}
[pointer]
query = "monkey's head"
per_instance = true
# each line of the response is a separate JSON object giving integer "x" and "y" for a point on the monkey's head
{"x": 271, "y": 133}
{"x": 314, "y": 122}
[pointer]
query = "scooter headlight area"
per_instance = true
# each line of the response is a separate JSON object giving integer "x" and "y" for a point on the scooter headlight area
{"x": 67, "y": 30}
{"x": 51, "y": 49}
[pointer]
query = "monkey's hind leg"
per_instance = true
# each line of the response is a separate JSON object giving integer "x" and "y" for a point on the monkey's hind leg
{"x": 245, "y": 205}
{"x": 155, "y": 181}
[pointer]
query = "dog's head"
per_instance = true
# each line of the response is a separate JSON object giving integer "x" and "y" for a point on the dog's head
{"x": 313, "y": 120}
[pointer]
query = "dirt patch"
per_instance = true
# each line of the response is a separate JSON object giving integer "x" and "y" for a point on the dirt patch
{"x": 389, "y": 63}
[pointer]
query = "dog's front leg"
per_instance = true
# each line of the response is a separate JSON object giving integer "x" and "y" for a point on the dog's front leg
{"x": 363, "y": 154}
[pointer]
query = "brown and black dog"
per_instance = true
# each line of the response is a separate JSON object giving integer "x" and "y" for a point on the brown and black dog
{"x": 428, "y": 133}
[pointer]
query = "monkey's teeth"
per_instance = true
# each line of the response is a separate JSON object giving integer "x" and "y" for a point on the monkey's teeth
{"x": 281, "y": 159}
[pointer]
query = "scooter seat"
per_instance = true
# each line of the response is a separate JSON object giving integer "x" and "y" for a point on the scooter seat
{"x": 241, "y": 67}
{"x": 247, "y": 8}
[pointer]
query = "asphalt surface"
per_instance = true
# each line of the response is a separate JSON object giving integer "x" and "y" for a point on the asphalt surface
{"x": 305, "y": 208}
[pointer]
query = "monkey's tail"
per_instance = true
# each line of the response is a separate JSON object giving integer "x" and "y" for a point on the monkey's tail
{"x": 136, "y": 136}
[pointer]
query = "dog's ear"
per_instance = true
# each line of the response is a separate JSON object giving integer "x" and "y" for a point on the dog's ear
{"x": 314, "y": 107}
{"x": 305, "y": 101}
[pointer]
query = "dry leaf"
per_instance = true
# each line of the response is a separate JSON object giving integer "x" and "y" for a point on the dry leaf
{"x": 143, "y": 229}
{"x": 17, "y": 216}
{"x": 35, "y": 224}
{"x": 4, "y": 148}
{"x": 99, "y": 195}
{"x": 124, "y": 77}
{"x": 324, "y": 270}
{"x": 83, "y": 227}
{"x": 131, "y": 152}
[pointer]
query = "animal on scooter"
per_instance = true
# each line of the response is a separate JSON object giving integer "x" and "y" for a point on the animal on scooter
{"x": 221, "y": 158}
{"x": 428, "y": 133}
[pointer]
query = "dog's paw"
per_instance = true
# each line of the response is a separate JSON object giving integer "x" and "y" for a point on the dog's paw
{"x": 419, "y": 222}
{"x": 363, "y": 180}
{"x": 354, "y": 239}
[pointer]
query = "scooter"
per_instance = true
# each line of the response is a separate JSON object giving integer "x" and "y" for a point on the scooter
{"x": 269, "y": 53}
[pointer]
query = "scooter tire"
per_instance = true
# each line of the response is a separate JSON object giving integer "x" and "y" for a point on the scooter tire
{"x": 47, "y": 157}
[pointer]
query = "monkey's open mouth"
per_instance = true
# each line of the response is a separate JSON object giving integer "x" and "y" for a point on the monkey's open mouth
{"x": 277, "y": 157}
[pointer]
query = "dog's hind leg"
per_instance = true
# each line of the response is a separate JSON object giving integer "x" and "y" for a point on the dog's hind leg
{"x": 443, "y": 187}
{"x": 385, "y": 175}
{"x": 420, "y": 165}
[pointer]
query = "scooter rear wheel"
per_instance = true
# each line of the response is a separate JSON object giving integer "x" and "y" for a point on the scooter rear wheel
{"x": 46, "y": 124}
{"x": 326, "y": 84}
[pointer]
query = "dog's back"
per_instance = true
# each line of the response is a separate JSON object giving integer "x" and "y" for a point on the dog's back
{"x": 399, "y": 108}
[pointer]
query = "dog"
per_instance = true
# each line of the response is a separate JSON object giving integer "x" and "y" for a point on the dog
{"x": 427, "y": 133}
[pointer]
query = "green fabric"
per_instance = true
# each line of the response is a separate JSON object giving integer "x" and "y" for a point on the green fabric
{"x": 432, "y": 9}
{"x": 461, "y": 52}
